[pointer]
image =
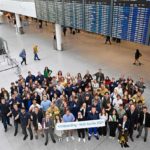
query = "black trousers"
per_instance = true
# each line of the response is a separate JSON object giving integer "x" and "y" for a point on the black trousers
{"x": 23, "y": 61}
{"x": 24, "y": 130}
{"x": 81, "y": 133}
{"x": 112, "y": 128}
{"x": 102, "y": 130}
{"x": 131, "y": 128}
{"x": 16, "y": 126}
{"x": 5, "y": 121}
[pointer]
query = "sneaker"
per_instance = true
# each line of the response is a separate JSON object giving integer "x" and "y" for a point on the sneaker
{"x": 54, "y": 141}
{"x": 15, "y": 133}
{"x": 144, "y": 139}
{"x": 97, "y": 137}
{"x": 46, "y": 143}
{"x": 10, "y": 125}
{"x": 5, "y": 129}
{"x": 89, "y": 138}
{"x": 79, "y": 139}
{"x": 25, "y": 137}
{"x": 132, "y": 139}
{"x": 72, "y": 138}
{"x": 67, "y": 139}
{"x": 84, "y": 140}
{"x": 31, "y": 137}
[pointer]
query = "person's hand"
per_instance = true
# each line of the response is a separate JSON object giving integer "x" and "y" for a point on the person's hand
{"x": 27, "y": 126}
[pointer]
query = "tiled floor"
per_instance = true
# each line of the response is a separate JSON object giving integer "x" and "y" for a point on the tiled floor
{"x": 81, "y": 52}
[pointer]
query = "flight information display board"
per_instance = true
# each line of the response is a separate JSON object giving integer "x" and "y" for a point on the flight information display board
{"x": 68, "y": 13}
{"x": 51, "y": 11}
{"x": 73, "y": 13}
{"x": 97, "y": 16}
{"x": 123, "y": 19}
{"x": 59, "y": 11}
{"x": 131, "y": 20}
{"x": 41, "y": 9}
{"x": 78, "y": 10}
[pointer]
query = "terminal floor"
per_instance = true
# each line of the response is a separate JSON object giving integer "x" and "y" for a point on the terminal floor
{"x": 82, "y": 52}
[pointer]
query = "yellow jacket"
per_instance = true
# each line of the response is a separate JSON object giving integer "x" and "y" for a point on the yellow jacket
{"x": 137, "y": 98}
{"x": 53, "y": 111}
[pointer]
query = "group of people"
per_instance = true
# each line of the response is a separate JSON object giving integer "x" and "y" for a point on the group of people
{"x": 38, "y": 103}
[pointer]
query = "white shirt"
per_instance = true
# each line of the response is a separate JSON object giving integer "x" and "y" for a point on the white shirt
{"x": 116, "y": 103}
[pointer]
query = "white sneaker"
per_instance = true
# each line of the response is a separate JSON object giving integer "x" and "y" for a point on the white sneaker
{"x": 79, "y": 139}
{"x": 84, "y": 140}
{"x": 72, "y": 137}
{"x": 67, "y": 139}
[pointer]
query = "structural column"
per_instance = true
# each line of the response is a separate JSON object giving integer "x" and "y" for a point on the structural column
{"x": 19, "y": 28}
{"x": 58, "y": 37}
{"x": 1, "y": 17}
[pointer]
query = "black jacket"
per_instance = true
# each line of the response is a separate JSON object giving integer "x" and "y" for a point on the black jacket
{"x": 4, "y": 109}
{"x": 147, "y": 119}
{"x": 133, "y": 118}
{"x": 126, "y": 127}
{"x": 37, "y": 118}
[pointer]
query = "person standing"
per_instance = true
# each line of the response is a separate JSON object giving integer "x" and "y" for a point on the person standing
{"x": 37, "y": 117}
{"x": 48, "y": 126}
{"x": 35, "y": 51}
{"x": 4, "y": 109}
{"x": 103, "y": 115}
{"x": 15, "y": 112}
{"x": 93, "y": 115}
{"x": 26, "y": 123}
{"x": 99, "y": 76}
{"x": 81, "y": 132}
{"x": 132, "y": 115}
{"x": 113, "y": 123}
{"x": 68, "y": 117}
{"x": 144, "y": 121}
{"x": 137, "y": 56}
{"x": 123, "y": 128}
{"x": 108, "y": 40}
{"x": 64, "y": 30}
{"x": 23, "y": 56}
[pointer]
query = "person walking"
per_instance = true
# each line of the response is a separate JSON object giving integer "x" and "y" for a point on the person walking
{"x": 137, "y": 56}
{"x": 23, "y": 56}
{"x": 35, "y": 51}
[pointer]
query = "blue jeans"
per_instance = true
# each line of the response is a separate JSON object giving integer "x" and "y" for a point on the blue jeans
{"x": 36, "y": 57}
{"x": 5, "y": 121}
{"x": 91, "y": 130}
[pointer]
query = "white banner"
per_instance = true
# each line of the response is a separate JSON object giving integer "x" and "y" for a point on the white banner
{"x": 80, "y": 124}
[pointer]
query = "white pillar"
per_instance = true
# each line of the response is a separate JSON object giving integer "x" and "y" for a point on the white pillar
{"x": 1, "y": 17}
{"x": 58, "y": 37}
{"x": 19, "y": 28}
